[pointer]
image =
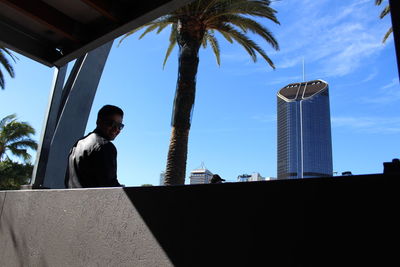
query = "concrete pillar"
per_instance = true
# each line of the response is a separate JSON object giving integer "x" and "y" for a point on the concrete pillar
{"x": 49, "y": 126}
{"x": 80, "y": 91}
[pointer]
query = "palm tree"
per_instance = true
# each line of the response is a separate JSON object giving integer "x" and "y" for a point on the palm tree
{"x": 6, "y": 64}
{"x": 384, "y": 12}
{"x": 15, "y": 138}
{"x": 193, "y": 26}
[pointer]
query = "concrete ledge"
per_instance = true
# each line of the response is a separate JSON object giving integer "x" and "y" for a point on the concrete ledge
{"x": 309, "y": 222}
{"x": 90, "y": 227}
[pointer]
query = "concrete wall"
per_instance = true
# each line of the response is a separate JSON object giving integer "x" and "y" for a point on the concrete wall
{"x": 97, "y": 227}
{"x": 310, "y": 222}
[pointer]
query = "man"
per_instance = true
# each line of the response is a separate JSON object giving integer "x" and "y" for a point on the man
{"x": 92, "y": 161}
{"x": 216, "y": 179}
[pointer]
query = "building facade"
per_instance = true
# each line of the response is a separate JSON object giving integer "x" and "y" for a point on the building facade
{"x": 250, "y": 178}
{"x": 200, "y": 176}
{"x": 162, "y": 178}
{"x": 304, "y": 131}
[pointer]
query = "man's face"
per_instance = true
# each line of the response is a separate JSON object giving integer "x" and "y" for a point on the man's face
{"x": 111, "y": 126}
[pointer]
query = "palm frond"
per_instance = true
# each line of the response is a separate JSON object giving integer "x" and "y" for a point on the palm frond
{"x": 160, "y": 23}
{"x": 169, "y": 50}
{"x": 384, "y": 12}
{"x": 172, "y": 43}
{"x": 11, "y": 55}
{"x": 378, "y": 2}
{"x": 150, "y": 28}
{"x": 15, "y": 131}
{"x": 7, "y": 119}
{"x": 6, "y": 64}
{"x": 215, "y": 46}
{"x": 131, "y": 32}
{"x": 243, "y": 7}
{"x": 253, "y": 26}
{"x": 25, "y": 143}
{"x": 239, "y": 38}
{"x": 387, "y": 34}
{"x": 204, "y": 41}
{"x": 2, "y": 82}
{"x": 19, "y": 152}
{"x": 222, "y": 16}
{"x": 226, "y": 36}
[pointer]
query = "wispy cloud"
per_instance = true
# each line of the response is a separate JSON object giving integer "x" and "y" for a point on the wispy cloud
{"x": 394, "y": 82}
{"x": 371, "y": 76}
{"x": 388, "y": 93}
{"x": 334, "y": 43}
{"x": 373, "y": 125}
{"x": 264, "y": 118}
{"x": 284, "y": 80}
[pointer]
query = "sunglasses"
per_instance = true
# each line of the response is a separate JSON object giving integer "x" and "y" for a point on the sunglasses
{"x": 115, "y": 124}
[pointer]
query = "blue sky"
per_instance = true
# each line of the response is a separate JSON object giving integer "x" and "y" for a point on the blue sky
{"x": 234, "y": 121}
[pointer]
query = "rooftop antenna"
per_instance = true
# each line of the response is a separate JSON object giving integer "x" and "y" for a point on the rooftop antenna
{"x": 304, "y": 75}
{"x": 202, "y": 165}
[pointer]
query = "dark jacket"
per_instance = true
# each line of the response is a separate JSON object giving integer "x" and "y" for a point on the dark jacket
{"x": 92, "y": 162}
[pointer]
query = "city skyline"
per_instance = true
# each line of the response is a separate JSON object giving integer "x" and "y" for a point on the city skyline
{"x": 234, "y": 119}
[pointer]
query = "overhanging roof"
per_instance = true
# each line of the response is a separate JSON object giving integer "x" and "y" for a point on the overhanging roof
{"x": 55, "y": 32}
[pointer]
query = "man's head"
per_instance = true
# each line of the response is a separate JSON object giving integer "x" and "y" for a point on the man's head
{"x": 109, "y": 121}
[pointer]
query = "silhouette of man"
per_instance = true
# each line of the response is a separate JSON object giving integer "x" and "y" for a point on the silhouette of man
{"x": 92, "y": 161}
{"x": 216, "y": 179}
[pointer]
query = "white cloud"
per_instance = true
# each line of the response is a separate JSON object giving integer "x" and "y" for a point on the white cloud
{"x": 371, "y": 76}
{"x": 394, "y": 82}
{"x": 264, "y": 118}
{"x": 334, "y": 38}
{"x": 371, "y": 124}
{"x": 388, "y": 93}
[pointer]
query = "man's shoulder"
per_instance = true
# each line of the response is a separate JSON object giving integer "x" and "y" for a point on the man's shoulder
{"x": 94, "y": 141}
{"x": 100, "y": 143}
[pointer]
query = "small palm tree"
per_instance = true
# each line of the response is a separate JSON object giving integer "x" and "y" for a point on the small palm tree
{"x": 384, "y": 12}
{"x": 193, "y": 26}
{"x": 15, "y": 138}
{"x": 6, "y": 64}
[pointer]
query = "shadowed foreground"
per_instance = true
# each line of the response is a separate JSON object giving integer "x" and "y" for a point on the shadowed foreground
{"x": 323, "y": 221}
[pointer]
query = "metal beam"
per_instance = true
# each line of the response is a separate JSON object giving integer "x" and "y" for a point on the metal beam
{"x": 74, "y": 116}
{"x": 49, "y": 126}
{"x": 141, "y": 19}
{"x": 27, "y": 45}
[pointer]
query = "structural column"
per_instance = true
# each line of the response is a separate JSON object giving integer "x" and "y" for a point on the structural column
{"x": 67, "y": 116}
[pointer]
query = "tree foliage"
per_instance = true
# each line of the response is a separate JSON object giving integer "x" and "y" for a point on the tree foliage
{"x": 196, "y": 25}
{"x": 5, "y": 63}
{"x": 13, "y": 174}
{"x": 233, "y": 19}
{"x": 384, "y": 12}
{"x": 15, "y": 138}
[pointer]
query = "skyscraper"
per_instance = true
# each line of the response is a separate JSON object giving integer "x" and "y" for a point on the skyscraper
{"x": 304, "y": 131}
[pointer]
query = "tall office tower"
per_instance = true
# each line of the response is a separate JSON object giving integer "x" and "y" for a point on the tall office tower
{"x": 200, "y": 176}
{"x": 304, "y": 131}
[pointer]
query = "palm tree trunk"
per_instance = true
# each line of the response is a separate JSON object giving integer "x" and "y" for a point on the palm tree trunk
{"x": 177, "y": 155}
{"x": 189, "y": 39}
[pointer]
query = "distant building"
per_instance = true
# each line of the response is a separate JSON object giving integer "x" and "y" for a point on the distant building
{"x": 250, "y": 178}
{"x": 270, "y": 178}
{"x": 304, "y": 131}
{"x": 162, "y": 178}
{"x": 243, "y": 178}
{"x": 200, "y": 176}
